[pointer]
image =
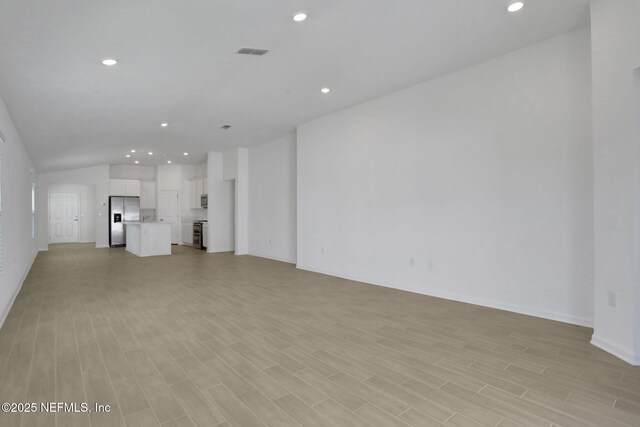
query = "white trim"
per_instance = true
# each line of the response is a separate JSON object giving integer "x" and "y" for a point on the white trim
{"x": 7, "y": 308}
{"x": 559, "y": 317}
{"x": 274, "y": 258}
{"x": 617, "y": 351}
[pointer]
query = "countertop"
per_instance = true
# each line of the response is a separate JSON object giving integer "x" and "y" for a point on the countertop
{"x": 144, "y": 223}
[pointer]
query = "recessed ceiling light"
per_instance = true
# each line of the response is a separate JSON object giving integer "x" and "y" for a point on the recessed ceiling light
{"x": 109, "y": 62}
{"x": 515, "y": 5}
{"x": 164, "y": 125}
{"x": 186, "y": 154}
{"x": 300, "y": 16}
{"x": 136, "y": 162}
{"x": 133, "y": 151}
{"x": 325, "y": 90}
{"x": 128, "y": 155}
{"x": 169, "y": 161}
{"x": 150, "y": 153}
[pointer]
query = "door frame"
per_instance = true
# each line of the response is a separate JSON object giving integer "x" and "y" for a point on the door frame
{"x": 178, "y": 223}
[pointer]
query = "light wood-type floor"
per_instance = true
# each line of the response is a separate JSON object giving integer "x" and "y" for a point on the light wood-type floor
{"x": 220, "y": 340}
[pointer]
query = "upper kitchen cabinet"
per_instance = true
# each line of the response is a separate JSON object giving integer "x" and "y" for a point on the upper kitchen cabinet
{"x": 147, "y": 195}
{"x": 124, "y": 187}
{"x": 117, "y": 187}
{"x": 132, "y": 187}
{"x": 197, "y": 188}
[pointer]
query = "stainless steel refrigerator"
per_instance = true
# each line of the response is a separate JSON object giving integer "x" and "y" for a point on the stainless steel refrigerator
{"x": 121, "y": 210}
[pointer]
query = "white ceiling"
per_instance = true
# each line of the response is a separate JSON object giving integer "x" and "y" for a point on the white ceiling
{"x": 177, "y": 64}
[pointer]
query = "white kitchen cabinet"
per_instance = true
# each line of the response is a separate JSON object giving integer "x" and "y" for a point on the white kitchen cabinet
{"x": 124, "y": 187}
{"x": 147, "y": 195}
{"x": 205, "y": 186}
{"x": 199, "y": 190}
{"x": 196, "y": 189}
{"x": 132, "y": 188}
{"x": 117, "y": 187}
{"x": 187, "y": 233}
{"x": 192, "y": 194}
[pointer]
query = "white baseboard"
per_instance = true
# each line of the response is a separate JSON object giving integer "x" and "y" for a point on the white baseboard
{"x": 619, "y": 352}
{"x": 7, "y": 308}
{"x": 560, "y": 317}
{"x": 275, "y": 258}
{"x": 219, "y": 251}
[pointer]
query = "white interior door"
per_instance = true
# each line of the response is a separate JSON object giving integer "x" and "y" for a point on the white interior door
{"x": 63, "y": 217}
{"x": 168, "y": 212}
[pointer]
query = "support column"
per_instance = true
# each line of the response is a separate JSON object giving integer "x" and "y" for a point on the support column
{"x": 242, "y": 203}
{"x": 615, "y": 37}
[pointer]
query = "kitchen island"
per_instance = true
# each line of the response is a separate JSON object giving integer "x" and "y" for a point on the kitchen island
{"x": 148, "y": 238}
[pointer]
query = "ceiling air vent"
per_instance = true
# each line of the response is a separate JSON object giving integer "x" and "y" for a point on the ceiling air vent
{"x": 252, "y": 51}
{"x": 225, "y": 127}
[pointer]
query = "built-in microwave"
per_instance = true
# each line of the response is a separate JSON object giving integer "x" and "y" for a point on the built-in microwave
{"x": 203, "y": 201}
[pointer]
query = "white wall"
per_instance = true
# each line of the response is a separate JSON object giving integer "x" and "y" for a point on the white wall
{"x": 96, "y": 176}
{"x": 235, "y": 170}
{"x": 169, "y": 177}
{"x": 616, "y": 138}
{"x": 272, "y": 199}
{"x": 230, "y": 165}
{"x": 241, "y": 197}
{"x": 87, "y": 212}
{"x": 474, "y": 186}
{"x": 18, "y": 248}
{"x": 137, "y": 172}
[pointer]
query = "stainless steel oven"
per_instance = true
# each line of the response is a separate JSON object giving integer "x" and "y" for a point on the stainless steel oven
{"x": 198, "y": 234}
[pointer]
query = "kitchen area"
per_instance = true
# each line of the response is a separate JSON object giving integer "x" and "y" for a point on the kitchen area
{"x": 154, "y": 207}
{"x": 75, "y": 206}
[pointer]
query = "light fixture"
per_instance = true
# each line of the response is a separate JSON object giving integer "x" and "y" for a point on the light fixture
{"x": 325, "y": 90}
{"x": 186, "y": 154}
{"x": 164, "y": 125}
{"x": 109, "y": 62}
{"x": 300, "y": 16}
{"x": 133, "y": 151}
{"x": 514, "y": 5}
{"x": 169, "y": 161}
{"x": 150, "y": 153}
{"x": 128, "y": 155}
{"x": 136, "y": 162}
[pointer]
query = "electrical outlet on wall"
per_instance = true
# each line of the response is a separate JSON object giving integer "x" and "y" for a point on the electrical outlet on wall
{"x": 322, "y": 249}
{"x": 412, "y": 262}
{"x": 611, "y": 298}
